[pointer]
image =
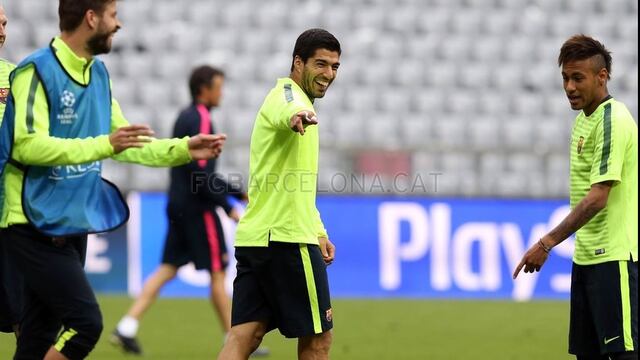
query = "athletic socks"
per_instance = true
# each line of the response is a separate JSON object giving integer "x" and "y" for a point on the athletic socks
{"x": 128, "y": 326}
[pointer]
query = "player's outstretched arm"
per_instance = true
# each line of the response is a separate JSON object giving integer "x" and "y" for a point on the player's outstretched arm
{"x": 301, "y": 120}
{"x": 132, "y": 136}
{"x": 206, "y": 146}
{"x": 586, "y": 209}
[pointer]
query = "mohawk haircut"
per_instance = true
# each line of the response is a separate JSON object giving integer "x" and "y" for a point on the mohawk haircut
{"x": 583, "y": 47}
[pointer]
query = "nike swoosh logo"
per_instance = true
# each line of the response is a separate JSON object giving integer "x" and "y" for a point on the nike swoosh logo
{"x": 606, "y": 341}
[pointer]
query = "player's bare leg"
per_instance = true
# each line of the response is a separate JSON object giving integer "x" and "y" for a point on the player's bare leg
{"x": 125, "y": 334}
{"x": 151, "y": 289}
{"x": 54, "y": 354}
{"x": 243, "y": 340}
{"x": 315, "y": 347}
{"x": 220, "y": 300}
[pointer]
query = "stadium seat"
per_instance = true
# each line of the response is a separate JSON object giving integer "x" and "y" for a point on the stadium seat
{"x": 528, "y": 103}
{"x": 428, "y": 101}
{"x": 461, "y": 102}
{"x": 408, "y": 73}
{"x": 474, "y": 76}
{"x": 518, "y": 132}
{"x": 403, "y": 20}
{"x": 362, "y": 99}
{"x": 467, "y": 22}
{"x": 484, "y": 133}
{"x": 450, "y": 131}
{"x": 381, "y": 131}
{"x": 493, "y": 102}
{"x": 437, "y": 23}
{"x": 415, "y": 130}
{"x": 498, "y": 23}
{"x": 487, "y": 50}
{"x": 395, "y": 100}
{"x": 455, "y": 48}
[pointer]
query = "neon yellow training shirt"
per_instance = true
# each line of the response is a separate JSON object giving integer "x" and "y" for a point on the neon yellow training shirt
{"x": 5, "y": 69}
{"x": 38, "y": 148}
{"x": 283, "y": 169}
{"x": 604, "y": 147}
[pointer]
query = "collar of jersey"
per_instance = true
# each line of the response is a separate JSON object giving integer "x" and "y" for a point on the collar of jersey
{"x": 72, "y": 63}
{"x": 288, "y": 80}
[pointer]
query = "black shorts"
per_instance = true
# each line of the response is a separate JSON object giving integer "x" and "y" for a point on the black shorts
{"x": 196, "y": 237}
{"x": 57, "y": 294}
{"x": 285, "y": 285}
{"x": 604, "y": 308}
{"x": 11, "y": 288}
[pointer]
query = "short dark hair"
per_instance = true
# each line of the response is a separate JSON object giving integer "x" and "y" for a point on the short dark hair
{"x": 71, "y": 12}
{"x": 583, "y": 47}
{"x": 313, "y": 39}
{"x": 202, "y": 76}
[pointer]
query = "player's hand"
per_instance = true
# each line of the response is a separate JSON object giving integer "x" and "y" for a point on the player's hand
{"x": 301, "y": 120}
{"x": 234, "y": 215}
{"x": 206, "y": 146}
{"x": 132, "y": 136}
{"x": 532, "y": 260}
{"x": 327, "y": 249}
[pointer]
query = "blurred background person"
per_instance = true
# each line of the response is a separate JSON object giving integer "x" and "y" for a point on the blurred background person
{"x": 195, "y": 232}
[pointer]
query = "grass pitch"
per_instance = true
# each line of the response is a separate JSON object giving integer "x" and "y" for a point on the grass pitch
{"x": 187, "y": 329}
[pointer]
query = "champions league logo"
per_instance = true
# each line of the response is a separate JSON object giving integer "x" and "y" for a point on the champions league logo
{"x": 67, "y": 100}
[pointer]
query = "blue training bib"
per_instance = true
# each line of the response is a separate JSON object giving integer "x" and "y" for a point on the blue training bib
{"x": 69, "y": 199}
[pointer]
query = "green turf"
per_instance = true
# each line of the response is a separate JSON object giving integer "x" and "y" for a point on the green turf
{"x": 364, "y": 329}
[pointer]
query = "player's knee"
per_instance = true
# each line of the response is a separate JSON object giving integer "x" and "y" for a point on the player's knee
{"x": 321, "y": 343}
{"x": 81, "y": 334}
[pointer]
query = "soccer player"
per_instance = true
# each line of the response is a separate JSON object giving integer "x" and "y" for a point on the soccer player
{"x": 604, "y": 210}
{"x": 61, "y": 121}
{"x": 9, "y": 308}
{"x": 281, "y": 246}
{"x": 195, "y": 232}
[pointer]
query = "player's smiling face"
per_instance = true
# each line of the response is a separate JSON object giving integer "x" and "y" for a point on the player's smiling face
{"x": 3, "y": 25}
{"x": 584, "y": 84}
{"x": 108, "y": 25}
{"x": 319, "y": 71}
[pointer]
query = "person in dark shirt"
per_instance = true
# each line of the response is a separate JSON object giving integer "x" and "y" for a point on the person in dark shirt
{"x": 195, "y": 232}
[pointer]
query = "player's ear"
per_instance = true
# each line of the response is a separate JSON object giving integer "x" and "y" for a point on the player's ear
{"x": 92, "y": 19}
{"x": 603, "y": 75}
{"x": 298, "y": 64}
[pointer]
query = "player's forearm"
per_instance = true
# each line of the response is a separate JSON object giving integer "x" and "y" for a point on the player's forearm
{"x": 586, "y": 209}
{"x": 37, "y": 149}
{"x": 158, "y": 153}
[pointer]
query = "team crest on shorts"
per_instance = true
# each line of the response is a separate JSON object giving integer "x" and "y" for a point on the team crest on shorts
{"x": 329, "y": 315}
{"x": 580, "y": 143}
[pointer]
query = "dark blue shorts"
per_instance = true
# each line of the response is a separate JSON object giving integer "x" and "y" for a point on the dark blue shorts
{"x": 604, "y": 308}
{"x": 284, "y": 285}
{"x": 198, "y": 237}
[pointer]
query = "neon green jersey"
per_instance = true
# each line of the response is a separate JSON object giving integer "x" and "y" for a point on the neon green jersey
{"x": 283, "y": 170}
{"x": 5, "y": 69}
{"x": 604, "y": 147}
{"x": 36, "y": 147}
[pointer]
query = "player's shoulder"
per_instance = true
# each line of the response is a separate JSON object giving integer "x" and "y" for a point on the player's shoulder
{"x": 620, "y": 116}
{"x": 6, "y": 64}
{"x": 188, "y": 114}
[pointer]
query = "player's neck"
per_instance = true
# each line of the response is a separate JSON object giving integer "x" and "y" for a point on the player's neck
{"x": 77, "y": 43}
{"x": 592, "y": 108}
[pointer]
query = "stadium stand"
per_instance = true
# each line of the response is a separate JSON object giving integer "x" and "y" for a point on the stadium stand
{"x": 469, "y": 88}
